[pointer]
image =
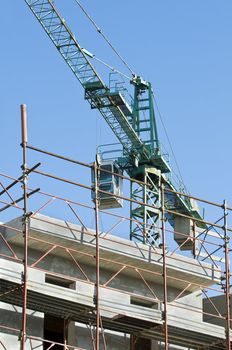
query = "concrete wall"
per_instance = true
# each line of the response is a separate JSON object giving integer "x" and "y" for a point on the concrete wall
{"x": 10, "y": 316}
{"x": 215, "y": 311}
{"x": 124, "y": 282}
{"x": 122, "y": 296}
{"x": 187, "y": 307}
{"x": 111, "y": 300}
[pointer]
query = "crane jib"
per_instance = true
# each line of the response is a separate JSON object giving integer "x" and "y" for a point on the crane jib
{"x": 71, "y": 51}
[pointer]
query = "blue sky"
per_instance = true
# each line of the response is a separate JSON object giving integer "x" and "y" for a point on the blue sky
{"x": 183, "y": 47}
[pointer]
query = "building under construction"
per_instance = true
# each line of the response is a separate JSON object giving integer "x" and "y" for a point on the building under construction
{"x": 67, "y": 282}
{"x": 66, "y": 286}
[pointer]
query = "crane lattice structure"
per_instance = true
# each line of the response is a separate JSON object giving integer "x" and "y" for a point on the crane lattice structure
{"x": 132, "y": 122}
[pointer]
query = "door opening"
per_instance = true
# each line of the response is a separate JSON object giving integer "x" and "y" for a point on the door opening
{"x": 54, "y": 331}
{"x": 140, "y": 343}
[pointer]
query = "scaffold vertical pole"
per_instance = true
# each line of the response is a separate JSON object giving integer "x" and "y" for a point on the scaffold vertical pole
{"x": 96, "y": 181}
{"x": 66, "y": 322}
{"x": 227, "y": 277}
{"x": 164, "y": 273}
{"x": 24, "y": 223}
{"x": 194, "y": 240}
{"x": 91, "y": 334}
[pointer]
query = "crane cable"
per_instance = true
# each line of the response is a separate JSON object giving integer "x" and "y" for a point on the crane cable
{"x": 111, "y": 67}
{"x": 104, "y": 36}
{"x": 170, "y": 145}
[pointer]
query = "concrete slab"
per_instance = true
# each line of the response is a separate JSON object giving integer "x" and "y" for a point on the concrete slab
{"x": 114, "y": 252}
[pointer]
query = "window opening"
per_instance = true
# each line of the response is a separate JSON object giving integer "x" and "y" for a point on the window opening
{"x": 144, "y": 303}
{"x": 58, "y": 281}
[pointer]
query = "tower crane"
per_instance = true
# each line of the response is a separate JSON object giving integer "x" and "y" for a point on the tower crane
{"x": 134, "y": 125}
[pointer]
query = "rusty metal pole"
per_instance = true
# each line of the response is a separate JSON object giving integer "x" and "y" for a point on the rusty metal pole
{"x": 132, "y": 342}
{"x": 24, "y": 223}
{"x": 103, "y": 334}
{"x": 227, "y": 278}
{"x": 194, "y": 240}
{"x": 96, "y": 184}
{"x": 164, "y": 273}
{"x": 66, "y": 323}
{"x": 91, "y": 335}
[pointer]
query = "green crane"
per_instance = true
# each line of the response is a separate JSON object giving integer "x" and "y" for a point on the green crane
{"x": 133, "y": 124}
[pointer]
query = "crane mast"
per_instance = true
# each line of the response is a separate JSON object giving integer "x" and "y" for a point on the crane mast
{"x": 132, "y": 122}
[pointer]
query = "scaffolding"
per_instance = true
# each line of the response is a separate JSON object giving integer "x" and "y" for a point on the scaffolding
{"x": 210, "y": 250}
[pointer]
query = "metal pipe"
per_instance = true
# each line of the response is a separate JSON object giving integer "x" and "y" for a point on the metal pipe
{"x": 103, "y": 334}
{"x": 104, "y": 237}
{"x": 106, "y": 260}
{"x": 97, "y": 282}
{"x": 91, "y": 335}
{"x": 121, "y": 176}
{"x": 66, "y": 323}
{"x": 13, "y": 204}
{"x": 165, "y": 299}
{"x": 24, "y": 125}
{"x": 16, "y": 181}
{"x": 125, "y": 218}
{"x": 24, "y": 223}
{"x": 166, "y": 303}
{"x": 125, "y": 198}
{"x": 193, "y": 197}
{"x": 8, "y": 205}
{"x": 190, "y": 217}
{"x": 132, "y": 342}
{"x": 77, "y": 162}
{"x": 227, "y": 278}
